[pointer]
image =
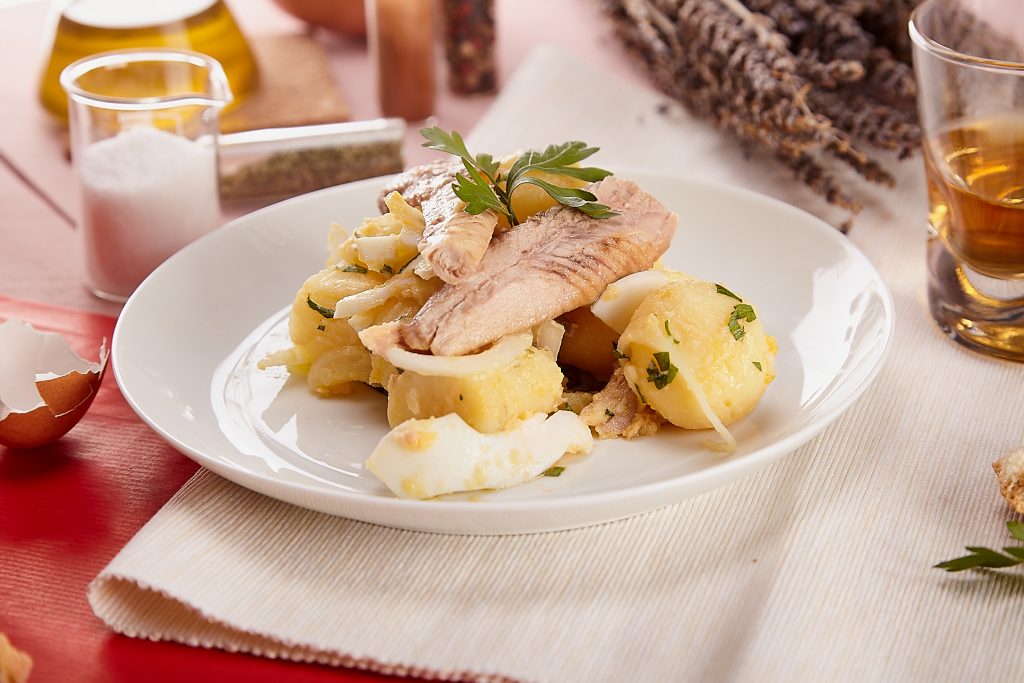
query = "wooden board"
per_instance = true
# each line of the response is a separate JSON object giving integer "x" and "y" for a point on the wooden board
{"x": 296, "y": 87}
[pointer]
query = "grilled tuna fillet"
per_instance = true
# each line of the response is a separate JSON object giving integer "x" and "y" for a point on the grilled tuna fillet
{"x": 453, "y": 240}
{"x": 550, "y": 264}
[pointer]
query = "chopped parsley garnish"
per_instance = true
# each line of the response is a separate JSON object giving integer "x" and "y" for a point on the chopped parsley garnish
{"x": 722, "y": 290}
{"x": 325, "y": 312}
{"x": 757, "y": 365}
{"x": 669, "y": 333}
{"x": 554, "y": 471}
{"x": 387, "y": 269}
{"x": 352, "y": 268}
{"x": 609, "y": 413}
{"x": 322, "y": 327}
{"x": 639, "y": 393}
{"x": 740, "y": 312}
{"x": 619, "y": 355}
{"x": 661, "y": 372}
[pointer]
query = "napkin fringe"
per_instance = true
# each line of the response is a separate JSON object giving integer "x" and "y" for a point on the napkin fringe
{"x": 126, "y": 604}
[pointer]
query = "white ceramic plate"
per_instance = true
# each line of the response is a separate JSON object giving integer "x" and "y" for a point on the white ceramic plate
{"x": 187, "y": 343}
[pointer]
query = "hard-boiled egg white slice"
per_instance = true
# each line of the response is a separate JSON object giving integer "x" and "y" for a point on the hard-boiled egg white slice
{"x": 621, "y": 298}
{"x": 427, "y": 458}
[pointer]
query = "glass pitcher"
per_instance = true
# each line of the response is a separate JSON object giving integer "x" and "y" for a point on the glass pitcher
{"x": 144, "y": 127}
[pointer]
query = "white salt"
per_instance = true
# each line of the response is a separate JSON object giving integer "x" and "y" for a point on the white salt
{"x": 145, "y": 194}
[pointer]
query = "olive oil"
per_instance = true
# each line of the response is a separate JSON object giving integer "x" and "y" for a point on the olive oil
{"x": 976, "y": 193}
{"x": 87, "y": 27}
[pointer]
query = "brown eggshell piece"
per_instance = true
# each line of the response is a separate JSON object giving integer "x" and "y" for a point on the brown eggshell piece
{"x": 67, "y": 399}
{"x": 45, "y": 387}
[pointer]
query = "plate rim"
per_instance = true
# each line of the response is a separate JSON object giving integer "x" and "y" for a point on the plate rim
{"x": 726, "y": 469}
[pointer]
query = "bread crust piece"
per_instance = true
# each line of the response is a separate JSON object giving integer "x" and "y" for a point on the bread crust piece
{"x": 15, "y": 665}
{"x": 1010, "y": 473}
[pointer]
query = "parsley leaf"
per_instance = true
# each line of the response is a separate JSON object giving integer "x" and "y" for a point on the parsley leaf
{"x": 481, "y": 189}
{"x": 325, "y": 312}
{"x": 986, "y": 557}
{"x": 669, "y": 333}
{"x": 722, "y": 290}
{"x": 351, "y": 268}
{"x": 740, "y": 312}
{"x": 619, "y": 355}
{"x": 554, "y": 471}
{"x": 660, "y": 371}
{"x": 757, "y": 365}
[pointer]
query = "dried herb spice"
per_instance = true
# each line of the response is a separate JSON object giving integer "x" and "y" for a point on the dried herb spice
{"x": 808, "y": 80}
{"x": 291, "y": 172}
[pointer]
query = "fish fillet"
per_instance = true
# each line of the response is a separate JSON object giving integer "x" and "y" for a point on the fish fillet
{"x": 550, "y": 264}
{"x": 453, "y": 241}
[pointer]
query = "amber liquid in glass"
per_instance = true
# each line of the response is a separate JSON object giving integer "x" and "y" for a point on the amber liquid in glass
{"x": 976, "y": 193}
{"x": 90, "y": 26}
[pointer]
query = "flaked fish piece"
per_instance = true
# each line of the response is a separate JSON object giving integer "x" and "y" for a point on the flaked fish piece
{"x": 453, "y": 241}
{"x": 420, "y": 182}
{"x": 616, "y": 411}
{"x": 550, "y": 264}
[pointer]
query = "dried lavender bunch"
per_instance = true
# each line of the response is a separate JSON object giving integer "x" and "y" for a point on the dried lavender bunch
{"x": 801, "y": 78}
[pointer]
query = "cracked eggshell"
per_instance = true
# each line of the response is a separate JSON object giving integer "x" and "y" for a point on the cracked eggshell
{"x": 45, "y": 387}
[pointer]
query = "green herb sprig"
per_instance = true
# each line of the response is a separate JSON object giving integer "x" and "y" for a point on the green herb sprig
{"x": 660, "y": 371}
{"x": 740, "y": 312}
{"x": 988, "y": 558}
{"x": 325, "y": 312}
{"x": 482, "y": 187}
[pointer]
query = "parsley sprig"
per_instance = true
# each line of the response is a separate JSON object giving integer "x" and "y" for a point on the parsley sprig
{"x": 482, "y": 186}
{"x": 322, "y": 310}
{"x": 986, "y": 557}
{"x": 660, "y": 371}
{"x": 740, "y": 312}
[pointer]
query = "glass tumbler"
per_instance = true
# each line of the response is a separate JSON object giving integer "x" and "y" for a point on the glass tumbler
{"x": 143, "y": 129}
{"x": 970, "y": 78}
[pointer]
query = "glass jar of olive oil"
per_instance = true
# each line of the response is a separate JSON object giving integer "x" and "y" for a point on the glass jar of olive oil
{"x": 87, "y": 27}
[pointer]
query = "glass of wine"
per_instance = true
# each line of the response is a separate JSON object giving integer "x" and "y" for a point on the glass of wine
{"x": 969, "y": 62}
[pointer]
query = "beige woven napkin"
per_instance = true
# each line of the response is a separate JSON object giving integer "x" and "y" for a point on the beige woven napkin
{"x": 818, "y": 568}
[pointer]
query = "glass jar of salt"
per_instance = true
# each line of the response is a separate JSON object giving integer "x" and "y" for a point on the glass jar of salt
{"x": 145, "y": 158}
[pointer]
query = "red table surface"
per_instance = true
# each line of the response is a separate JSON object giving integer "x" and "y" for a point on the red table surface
{"x": 67, "y": 509}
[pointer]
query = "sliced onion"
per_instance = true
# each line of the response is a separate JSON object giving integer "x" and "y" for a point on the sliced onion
{"x": 504, "y": 351}
{"x": 369, "y": 298}
{"x": 548, "y": 336}
{"x": 729, "y": 441}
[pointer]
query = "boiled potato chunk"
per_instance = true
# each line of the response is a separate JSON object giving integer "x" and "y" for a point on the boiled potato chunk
{"x": 687, "y": 323}
{"x": 324, "y": 289}
{"x": 587, "y": 343}
{"x": 333, "y": 371}
{"x": 326, "y": 350}
{"x": 489, "y": 402}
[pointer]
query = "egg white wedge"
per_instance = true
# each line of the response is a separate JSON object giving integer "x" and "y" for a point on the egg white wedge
{"x": 438, "y": 455}
{"x": 621, "y": 298}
